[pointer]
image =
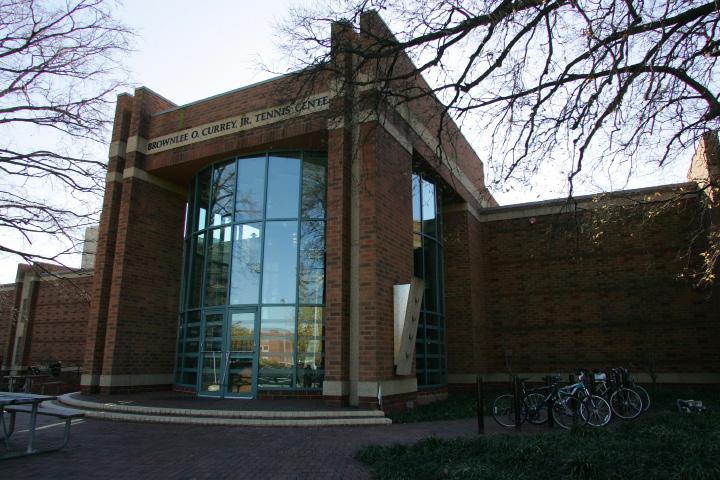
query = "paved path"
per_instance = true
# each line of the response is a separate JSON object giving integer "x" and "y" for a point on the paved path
{"x": 110, "y": 450}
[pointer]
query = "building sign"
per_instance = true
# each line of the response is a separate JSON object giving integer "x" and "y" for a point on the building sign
{"x": 266, "y": 116}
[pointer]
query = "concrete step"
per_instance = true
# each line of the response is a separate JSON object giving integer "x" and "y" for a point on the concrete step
{"x": 253, "y": 418}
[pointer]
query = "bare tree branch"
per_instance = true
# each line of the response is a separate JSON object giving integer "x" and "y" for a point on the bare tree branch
{"x": 59, "y": 72}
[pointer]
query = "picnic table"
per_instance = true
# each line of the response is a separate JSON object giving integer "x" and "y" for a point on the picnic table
{"x": 9, "y": 399}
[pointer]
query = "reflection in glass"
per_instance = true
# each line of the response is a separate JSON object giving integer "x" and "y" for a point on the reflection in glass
{"x": 247, "y": 248}
{"x": 197, "y": 252}
{"x": 313, "y": 187}
{"x": 428, "y": 208}
{"x": 242, "y": 331}
{"x": 255, "y": 236}
{"x": 277, "y": 345}
{"x": 283, "y": 187}
{"x": 280, "y": 264}
{"x": 310, "y": 344}
{"x": 312, "y": 262}
{"x": 418, "y": 256}
{"x": 223, "y": 189}
{"x": 203, "y": 199}
{"x": 427, "y": 257}
{"x": 250, "y": 189}
{"x": 239, "y": 374}
{"x": 211, "y": 373}
{"x": 218, "y": 266}
{"x": 416, "y": 205}
{"x": 189, "y": 210}
{"x": 430, "y": 265}
{"x": 311, "y": 322}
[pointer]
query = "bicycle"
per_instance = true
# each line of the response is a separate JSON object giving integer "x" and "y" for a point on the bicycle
{"x": 625, "y": 402}
{"x": 644, "y": 395}
{"x": 531, "y": 403}
{"x": 571, "y": 405}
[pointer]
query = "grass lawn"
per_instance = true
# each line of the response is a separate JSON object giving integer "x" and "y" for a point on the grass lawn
{"x": 663, "y": 445}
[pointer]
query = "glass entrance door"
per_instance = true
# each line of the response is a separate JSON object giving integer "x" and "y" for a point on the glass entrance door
{"x": 241, "y": 355}
{"x": 229, "y": 354}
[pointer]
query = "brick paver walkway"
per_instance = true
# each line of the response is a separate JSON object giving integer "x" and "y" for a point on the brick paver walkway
{"x": 119, "y": 450}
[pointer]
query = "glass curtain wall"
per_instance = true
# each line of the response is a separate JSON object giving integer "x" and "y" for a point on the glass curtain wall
{"x": 255, "y": 238}
{"x": 430, "y": 355}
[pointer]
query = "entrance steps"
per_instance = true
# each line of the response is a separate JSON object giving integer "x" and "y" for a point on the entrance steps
{"x": 245, "y": 418}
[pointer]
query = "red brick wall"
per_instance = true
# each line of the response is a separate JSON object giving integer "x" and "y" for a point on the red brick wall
{"x": 337, "y": 257}
{"x": 7, "y": 309}
{"x": 58, "y": 321}
{"x": 144, "y": 299}
{"x": 386, "y": 237}
{"x": 556, "y": 301}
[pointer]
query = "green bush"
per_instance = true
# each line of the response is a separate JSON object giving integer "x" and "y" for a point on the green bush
{"x": 660, "y": 446}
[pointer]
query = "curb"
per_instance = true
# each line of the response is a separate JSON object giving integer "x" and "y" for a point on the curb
{"x": 255, "y": 418}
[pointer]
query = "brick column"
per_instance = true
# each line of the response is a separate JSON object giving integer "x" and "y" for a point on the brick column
{"x": 133, "y": 314}
{"x": 386, "y": 259}
{"x": 105, "y": 250}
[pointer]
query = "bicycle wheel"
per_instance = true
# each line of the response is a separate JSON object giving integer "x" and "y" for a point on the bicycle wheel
{"x": 566, "y": 412}
{"x": 503, "y": 411}
{"x": 596, "y": 411}
{"x": 644, "y": 396}
{"x": 536, "y": 408}
{"x": 626, "y": 403}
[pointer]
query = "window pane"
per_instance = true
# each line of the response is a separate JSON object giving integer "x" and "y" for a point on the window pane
{"x": 283, "y": 187}
{"x": 189, "y": 378}
{"x": 313, "y": 187}
{"x": 218, "y": 265}
{"x": 198, "y": 270}
{"x": 190, "y": 209}
{"x": 418, "y": 269}
{"x": 277, "y": 323}
{"x": 277, "y": 345}
{"x": 416, "y": 203}
{"x": 250, "y": 189}
{"x": 308, "y": 377}
{"x": 428, "y": 208}
{"x": 311, "y": 322}
{"x": 191, "y": 362}
{"x": 193, "y": 325}
{"x": 312, "y": 262}
{"x": 430, "y": 263}
{"x": 222, "y": 194}
{"x": 280, "y": 263}
{"x": 245, "y": 281}
{"x": 436, "y": 378}
{"x": 203, "y": 199}
{"x": 242, "y": 331}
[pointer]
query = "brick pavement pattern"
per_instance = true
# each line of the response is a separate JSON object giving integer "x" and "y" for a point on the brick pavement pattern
{"x": 114, "y": 450}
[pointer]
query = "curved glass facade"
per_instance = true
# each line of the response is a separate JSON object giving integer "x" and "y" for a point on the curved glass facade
{"x": 252, "y": 313}
{"x": 430, "y": 351}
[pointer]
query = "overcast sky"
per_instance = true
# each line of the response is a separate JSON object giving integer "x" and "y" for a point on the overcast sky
{"x": 189, "y": 50}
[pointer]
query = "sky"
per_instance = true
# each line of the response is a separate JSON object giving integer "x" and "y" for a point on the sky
{"x": 189, "y": 50}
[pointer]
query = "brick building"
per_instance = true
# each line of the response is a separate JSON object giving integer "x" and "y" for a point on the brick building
{"x": 250, "y": 245}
